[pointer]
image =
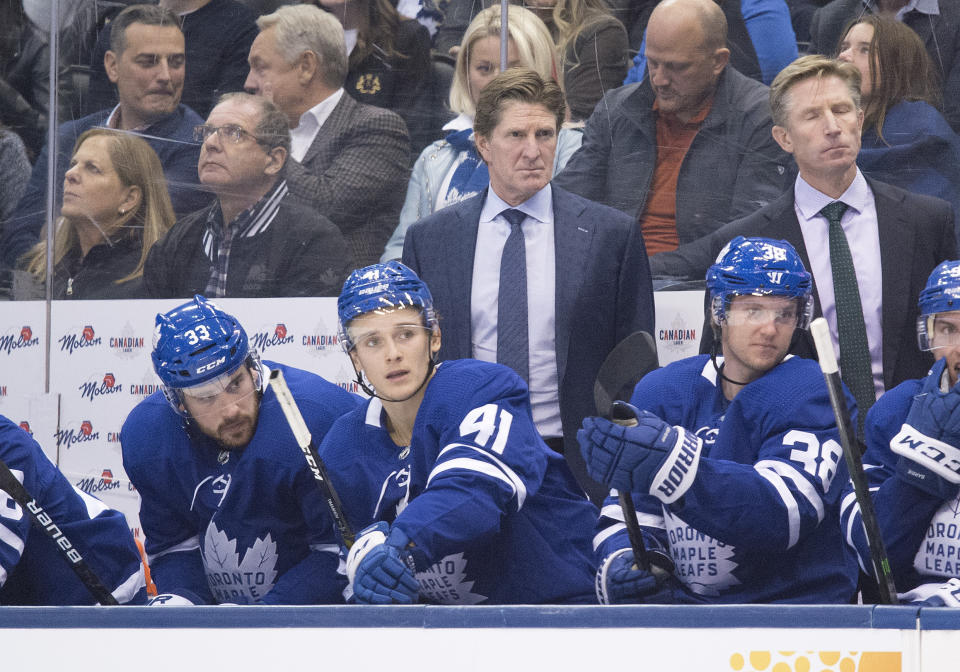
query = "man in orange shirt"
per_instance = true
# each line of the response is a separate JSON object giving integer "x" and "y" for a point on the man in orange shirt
{"x": 689, "y": 148}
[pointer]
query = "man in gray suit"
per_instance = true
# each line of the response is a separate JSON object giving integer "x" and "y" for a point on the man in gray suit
{"x": 529, "y": 275}
{"x": 351, "y": 160}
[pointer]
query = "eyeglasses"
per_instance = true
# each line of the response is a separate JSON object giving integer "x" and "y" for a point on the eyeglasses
{"x": 401, "y": 335}
{"x": 227, "y": 131}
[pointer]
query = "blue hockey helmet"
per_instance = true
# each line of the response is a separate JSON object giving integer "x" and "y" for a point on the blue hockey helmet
{"x": 759, "y": 267}
{"x": 196, "y": 346}
{"x": 940, "y": 295}
{"x": 382, "y": 287}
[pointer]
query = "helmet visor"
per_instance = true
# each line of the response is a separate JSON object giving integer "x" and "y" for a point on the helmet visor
{"x": 226, "y": 389}
{"x": 940, "y": 330}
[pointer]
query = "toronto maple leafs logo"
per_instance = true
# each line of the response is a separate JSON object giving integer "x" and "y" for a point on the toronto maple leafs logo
{"x": 234, "y": 580}
{"x": 703, "y": 563}
{"x": 394, "y": 495}
{"x": 445, "y": 582}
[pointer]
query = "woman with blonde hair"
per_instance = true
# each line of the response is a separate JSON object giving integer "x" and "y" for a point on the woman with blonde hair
{"x": 115, "y": 207}
{"x": 450, "y": 170}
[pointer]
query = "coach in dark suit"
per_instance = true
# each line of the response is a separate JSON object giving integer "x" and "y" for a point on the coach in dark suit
{"x": 530, "y": 275}
{"x": 895, "y": 238}
{"x": 351, "y": 160}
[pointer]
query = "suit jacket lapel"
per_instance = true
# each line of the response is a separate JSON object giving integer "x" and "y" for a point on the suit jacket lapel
{"x": 573, "y": 237}
{"x": 896, "y": 250}
{"x": 330, "y": 133}
{"x": 459, "y": 271}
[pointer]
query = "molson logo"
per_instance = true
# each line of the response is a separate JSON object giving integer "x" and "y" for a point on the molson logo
{"x": 264, "y": 339}
{"x": 93, "y": 390}
{"x": 85, "y": 339}
{"x": 25, "y": 426}
{"x": 25, "y": 339}
{"x": 67, "y": 438}
{"x": 93, "y": 485}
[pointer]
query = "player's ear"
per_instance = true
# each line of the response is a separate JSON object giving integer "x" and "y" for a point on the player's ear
{"x": 435, "y": 342}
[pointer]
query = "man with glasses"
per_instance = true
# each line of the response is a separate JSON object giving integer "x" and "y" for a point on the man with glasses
{"x": 255, "y": 239}
{"x": 734, "y": 463}
{"x": 913, "y": 459}
{"x": 229, "y": 507}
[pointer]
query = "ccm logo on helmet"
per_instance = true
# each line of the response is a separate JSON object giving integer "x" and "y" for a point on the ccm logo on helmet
{"x": 211, "y": 366}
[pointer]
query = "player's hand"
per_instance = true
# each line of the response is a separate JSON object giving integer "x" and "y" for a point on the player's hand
{"x": 379, "y": 569}
{"x": 929, "y": 440}
{"x": 650, "y": 457}
{"x": 620, "y": 581}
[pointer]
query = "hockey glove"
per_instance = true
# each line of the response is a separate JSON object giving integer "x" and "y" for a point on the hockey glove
{"x": 174, "y": 600}
{"x": 379, "y": 568}
{"x": 651, "y": 457}
{"x": 928, "y": 441}
{"x": 620, "y": 581}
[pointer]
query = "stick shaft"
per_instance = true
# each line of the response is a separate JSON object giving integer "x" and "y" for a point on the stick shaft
{"x": 42, "y": 520}
{"x": 633, "y": 531}
{"x": 851, "y": 452}
{"x": 305, "y": 440}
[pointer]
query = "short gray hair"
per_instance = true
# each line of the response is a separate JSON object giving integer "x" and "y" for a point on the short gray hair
{"x": 301, "y": 28}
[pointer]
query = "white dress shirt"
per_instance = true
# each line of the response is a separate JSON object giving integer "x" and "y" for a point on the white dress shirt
{"x": 860, "y": 226}
{"x": 303, "y": 135}
{"x": 538, "y": 235}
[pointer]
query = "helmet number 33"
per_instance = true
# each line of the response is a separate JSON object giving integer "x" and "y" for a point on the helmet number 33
{"x": 194, "y": 336}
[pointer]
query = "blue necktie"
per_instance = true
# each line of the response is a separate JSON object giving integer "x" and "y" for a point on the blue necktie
{"x": 513, "y": 347}
{"x": 855, "y": 368}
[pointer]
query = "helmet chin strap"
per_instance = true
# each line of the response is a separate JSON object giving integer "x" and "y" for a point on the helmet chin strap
{"x": 714, "y": 351}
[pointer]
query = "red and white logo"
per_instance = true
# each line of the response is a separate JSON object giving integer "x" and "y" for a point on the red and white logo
{"x": 107, "y": 476}
{"x": 26, "y": 333}
{"x": 25, "y": 426}
{"x": 281, "y": 331}
{"x": 109, "y": 380}
{"x": 88, "y": 333}
{"x": 86, "y": 427}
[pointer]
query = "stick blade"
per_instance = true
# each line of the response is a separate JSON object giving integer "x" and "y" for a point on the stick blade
{"x": 631, "y": 359}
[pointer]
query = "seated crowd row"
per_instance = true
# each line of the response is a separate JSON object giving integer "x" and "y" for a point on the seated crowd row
{"x": 682, "y": 153}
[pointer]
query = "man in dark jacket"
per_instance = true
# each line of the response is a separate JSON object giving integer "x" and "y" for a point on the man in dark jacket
{"x": 255, "y": 239}
{"x": 689, "y": 148}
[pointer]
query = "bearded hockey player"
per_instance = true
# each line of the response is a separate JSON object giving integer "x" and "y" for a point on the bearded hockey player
{"x": 230, "y": 511}
{"x": 464, "y": 502}
{"x": 735, "y": 464}
{"x": 913, "y": 459}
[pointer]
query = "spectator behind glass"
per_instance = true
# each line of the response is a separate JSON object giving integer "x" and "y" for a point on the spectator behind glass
{"x": 389, "y": 60}
{"x": 217, "y": 36}
{"x": 146, "y": 61}
{"x": 450, "y": 170}
{"x": 592, "y": 46}
{"x": 115, "y": 207}
{"x": 24, "y": 75}
{"x": 906, "y": 141}
{"x": 14, "y": 170}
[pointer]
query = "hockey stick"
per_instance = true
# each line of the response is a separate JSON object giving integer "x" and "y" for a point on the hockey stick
{"x": 42, "y": 520}
{"x": 851, "y": 451}
{"x": 305, "y": 440}
{"x": 631, "y": 359}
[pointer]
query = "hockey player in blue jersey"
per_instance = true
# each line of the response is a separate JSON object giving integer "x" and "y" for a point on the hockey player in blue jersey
{"x": 33, "y": 571}
{"x": 913, "y": 459}
{"x": 735, "y": 464}
{"x": 463, "y": 501}
{"x": 230, "y": 511}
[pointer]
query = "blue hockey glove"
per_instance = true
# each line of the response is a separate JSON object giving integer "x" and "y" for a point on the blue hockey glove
{"x": 174, "y": 600}
{"x": 380, "y": 569}
{"x": 650, "y": 457}
{"x": 620, "y": 581}
{"x": 929, "y": 439}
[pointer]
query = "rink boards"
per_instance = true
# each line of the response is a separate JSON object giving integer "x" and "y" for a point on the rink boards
{"x": 468, "y": 639}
